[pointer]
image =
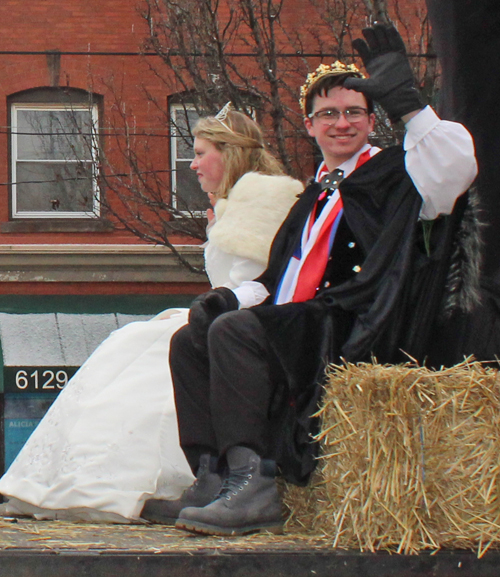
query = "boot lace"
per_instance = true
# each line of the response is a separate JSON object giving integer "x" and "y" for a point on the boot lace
{"x": 235, "y": 482}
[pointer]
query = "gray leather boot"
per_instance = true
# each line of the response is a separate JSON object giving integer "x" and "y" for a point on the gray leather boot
{"x": 202, "y": 492}
{"x": 248, "y": 501}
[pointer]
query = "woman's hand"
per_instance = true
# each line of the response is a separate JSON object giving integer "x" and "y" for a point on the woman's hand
{"x": 166, "y": 314}
{"x": 210, "y": 212}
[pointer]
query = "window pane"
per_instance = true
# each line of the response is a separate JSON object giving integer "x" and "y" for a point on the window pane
{"x": 54, "y": 134}
{"x": 54, "y": 187}
{"x": 183, "y": 138}
{"x": 189, "y": 194}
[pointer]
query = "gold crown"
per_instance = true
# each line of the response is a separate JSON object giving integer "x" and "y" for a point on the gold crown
{"x": 336, "y": 69}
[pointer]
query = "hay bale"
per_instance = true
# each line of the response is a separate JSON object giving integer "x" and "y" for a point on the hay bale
{"x": 410, "y": 459}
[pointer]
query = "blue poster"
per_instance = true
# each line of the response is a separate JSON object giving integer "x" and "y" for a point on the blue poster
{"x": 22, "y": 413}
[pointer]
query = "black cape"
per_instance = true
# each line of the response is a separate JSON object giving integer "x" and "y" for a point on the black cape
{"x": 386, "y": 310}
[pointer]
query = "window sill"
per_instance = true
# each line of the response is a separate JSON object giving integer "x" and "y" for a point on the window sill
{"x": 56, "y": 225}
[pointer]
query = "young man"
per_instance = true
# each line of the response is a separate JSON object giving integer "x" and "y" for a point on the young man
{"x": 346, "y": 278}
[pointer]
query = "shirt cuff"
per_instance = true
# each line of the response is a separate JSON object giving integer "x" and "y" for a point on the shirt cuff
{"x": 250, "y": 294}
{"x": 419, "y": 126}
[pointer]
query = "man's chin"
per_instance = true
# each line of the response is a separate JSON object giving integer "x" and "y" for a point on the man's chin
{"x": 348, "y": 150}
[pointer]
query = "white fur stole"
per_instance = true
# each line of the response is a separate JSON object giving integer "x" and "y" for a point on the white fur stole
{"x": 249, "y": 218}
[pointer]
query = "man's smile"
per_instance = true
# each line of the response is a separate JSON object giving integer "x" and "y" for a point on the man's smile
{"x": 342, "y": 136}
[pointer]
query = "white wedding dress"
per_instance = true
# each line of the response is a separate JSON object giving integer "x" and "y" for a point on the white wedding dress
{"x": 97, "y": 453}
{"x": 110, "y": 439}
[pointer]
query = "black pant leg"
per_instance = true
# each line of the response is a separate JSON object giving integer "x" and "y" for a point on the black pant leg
{"x": 244, "y": 374}
{"x": 190, "y": 376}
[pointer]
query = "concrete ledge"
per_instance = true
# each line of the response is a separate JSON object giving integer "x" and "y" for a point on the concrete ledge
{"x": 98, "y": 263}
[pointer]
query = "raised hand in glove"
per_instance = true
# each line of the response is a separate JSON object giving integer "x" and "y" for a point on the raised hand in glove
{"x": 391, "y": 81}
{"x": 205, "y": 309}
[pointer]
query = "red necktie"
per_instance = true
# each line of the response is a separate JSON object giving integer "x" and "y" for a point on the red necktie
{"x": 314, "y": 267}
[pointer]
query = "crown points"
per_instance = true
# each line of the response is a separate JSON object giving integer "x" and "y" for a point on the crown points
{"x": 336, "y": 69}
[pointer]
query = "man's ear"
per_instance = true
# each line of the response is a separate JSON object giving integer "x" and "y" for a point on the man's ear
{"x": 372, "y": 122}
{"x": 309, "y": 126}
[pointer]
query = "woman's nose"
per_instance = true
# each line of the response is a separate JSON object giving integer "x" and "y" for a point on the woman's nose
{"x": 194, "y": 164}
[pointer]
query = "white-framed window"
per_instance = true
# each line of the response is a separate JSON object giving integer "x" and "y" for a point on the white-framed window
{"x": 186, "y": 191}
{"x": 54, "y": 160}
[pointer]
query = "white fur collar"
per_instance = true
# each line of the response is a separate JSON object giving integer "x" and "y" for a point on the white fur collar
{"x": 249, "y": 218}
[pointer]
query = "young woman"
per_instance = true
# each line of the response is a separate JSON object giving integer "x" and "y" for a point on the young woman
{"x": 110, "y": 440}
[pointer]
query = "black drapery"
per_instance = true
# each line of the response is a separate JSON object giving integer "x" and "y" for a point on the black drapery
{"x": 467, "y": 38}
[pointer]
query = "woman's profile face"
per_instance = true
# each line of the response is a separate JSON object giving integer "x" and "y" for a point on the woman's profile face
{"x": 208, "y": 164}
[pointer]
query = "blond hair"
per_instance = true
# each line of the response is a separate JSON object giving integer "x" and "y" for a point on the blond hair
{"x": 241, "y": 143}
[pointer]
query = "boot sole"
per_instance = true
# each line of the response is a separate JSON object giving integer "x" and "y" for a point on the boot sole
{"x": 205, "y": 529}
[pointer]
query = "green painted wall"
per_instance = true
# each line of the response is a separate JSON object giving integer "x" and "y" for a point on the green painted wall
{"x": 92, "y": 304}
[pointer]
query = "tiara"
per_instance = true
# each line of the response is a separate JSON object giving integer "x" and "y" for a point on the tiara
{"x": 336, "y": 69}
{"x": 222, "y": 114}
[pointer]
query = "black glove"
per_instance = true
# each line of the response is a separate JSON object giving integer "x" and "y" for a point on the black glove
{"x": 391, "y": 81}
{"x": 205, "y": 309}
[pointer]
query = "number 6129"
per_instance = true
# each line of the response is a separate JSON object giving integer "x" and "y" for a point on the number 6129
{"x": 47, "y": 379}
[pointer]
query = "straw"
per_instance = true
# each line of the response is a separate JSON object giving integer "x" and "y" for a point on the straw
{"x": 410, "y": 460}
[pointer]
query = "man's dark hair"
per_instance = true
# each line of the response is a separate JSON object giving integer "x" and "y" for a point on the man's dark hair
{"x": 325, "y": 84}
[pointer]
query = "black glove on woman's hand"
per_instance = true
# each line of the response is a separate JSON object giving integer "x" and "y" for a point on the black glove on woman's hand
{"x": 205, "y": 309}
{"x": 391, "y": 81}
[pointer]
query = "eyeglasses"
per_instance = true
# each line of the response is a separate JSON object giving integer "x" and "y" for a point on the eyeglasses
{"x": 332, "y": 115}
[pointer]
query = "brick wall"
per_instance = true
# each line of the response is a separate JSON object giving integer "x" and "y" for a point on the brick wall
{"x": 115, "y": 27}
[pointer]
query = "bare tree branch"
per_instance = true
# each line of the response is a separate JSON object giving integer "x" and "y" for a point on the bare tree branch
{"x": 214, "y": 51}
